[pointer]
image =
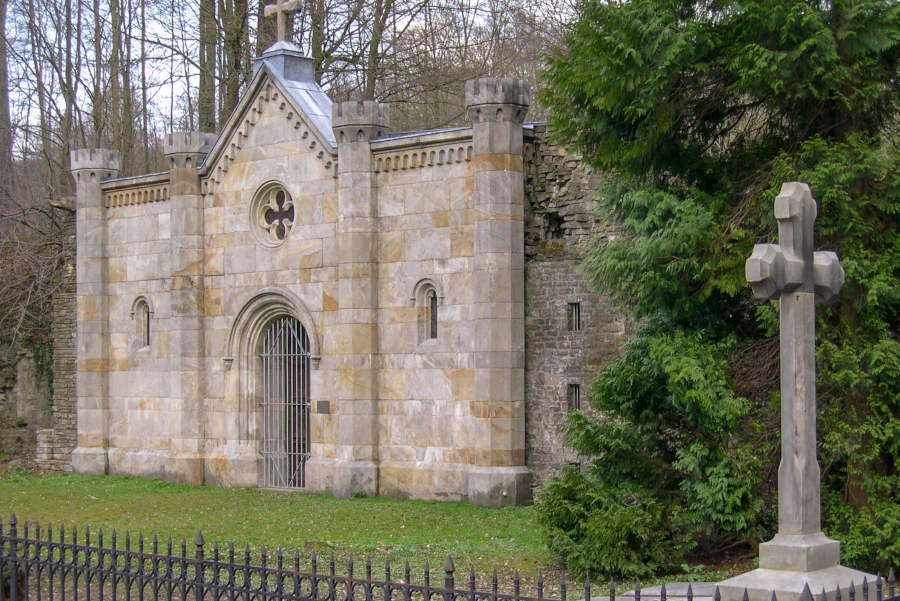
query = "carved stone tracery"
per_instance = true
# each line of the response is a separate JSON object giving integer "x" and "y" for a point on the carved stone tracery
{"x": 272, "y": 214}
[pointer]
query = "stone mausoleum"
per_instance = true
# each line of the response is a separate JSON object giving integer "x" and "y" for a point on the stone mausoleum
{"x": 308, "y": 300}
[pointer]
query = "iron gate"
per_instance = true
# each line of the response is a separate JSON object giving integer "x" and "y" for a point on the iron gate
{"x": 285, "y": 403}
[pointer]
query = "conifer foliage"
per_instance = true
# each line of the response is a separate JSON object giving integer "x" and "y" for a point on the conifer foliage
{"x": 698, "y": 111}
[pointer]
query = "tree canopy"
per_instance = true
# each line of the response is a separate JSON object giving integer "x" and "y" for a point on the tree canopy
{"x": 696, "y": 112}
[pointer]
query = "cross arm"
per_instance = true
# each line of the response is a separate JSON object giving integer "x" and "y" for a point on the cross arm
{"x": 771, "y": 271}
{"x": 828, "y": 275}
{"x": 281, "y": 6}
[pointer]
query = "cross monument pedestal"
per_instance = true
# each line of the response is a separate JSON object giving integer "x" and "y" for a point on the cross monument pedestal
{"x": 800, "y": 555}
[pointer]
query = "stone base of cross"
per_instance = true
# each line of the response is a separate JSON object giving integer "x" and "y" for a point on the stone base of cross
{"x": 800, "y": 560}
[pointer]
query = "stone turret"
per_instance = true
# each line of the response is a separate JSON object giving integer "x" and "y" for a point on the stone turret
{"x": 355, "y": 468}
{"x": 497, "y": 108}
{"x": 360, "y": 120}
{"x": 90, "y": 166}
{"x": 95, "y": 164}
{"x": 187, "y": 148}
{"x": 185, "y": 151}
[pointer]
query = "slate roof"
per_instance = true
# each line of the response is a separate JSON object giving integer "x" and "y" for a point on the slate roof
{"x": 285, "y": 62}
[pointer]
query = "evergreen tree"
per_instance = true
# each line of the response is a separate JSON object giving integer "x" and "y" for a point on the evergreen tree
{"x": 698, "y": 111}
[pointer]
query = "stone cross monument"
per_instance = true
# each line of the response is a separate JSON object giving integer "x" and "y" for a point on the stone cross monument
{"x": 281, "y": 9}
{"x": 800, "y": 554}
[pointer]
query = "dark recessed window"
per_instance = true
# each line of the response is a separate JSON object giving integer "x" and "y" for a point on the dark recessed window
{"x": 431, "y": 306}
{"x": 142, "y": 323}
{"x": 573, "y": 397}
{"x": 574, "y": 317}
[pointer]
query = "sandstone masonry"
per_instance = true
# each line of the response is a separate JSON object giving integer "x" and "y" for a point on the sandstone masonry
{"x": 429, "y": 277}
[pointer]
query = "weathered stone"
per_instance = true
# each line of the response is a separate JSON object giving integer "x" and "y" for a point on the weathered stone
{"x": 399, "y": 405}
{"x": 800, "y": 552}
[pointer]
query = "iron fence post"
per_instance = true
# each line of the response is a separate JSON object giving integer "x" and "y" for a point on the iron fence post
{"x": 11, "y": 561}
{"x": 449, "y": 568}
{"x": 198, "y": 567}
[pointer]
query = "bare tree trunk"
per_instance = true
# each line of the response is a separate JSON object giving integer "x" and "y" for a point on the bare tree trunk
{"x": 317, "y": 16}
{"x": 68, "y": 89}
{"x": 97, "y": 106}
{"x": 266, "y": 34}
{"x": 126, "y": 114}
{"x": 5, "y": 123}
{"x": 206, "y": 99}
{"x": 383, "y": 10}
{"x": 172, "y": 44}
{"x": 145, "y": 109}
{"x": 234, "y": 18}
{"x": 37, "y": 49}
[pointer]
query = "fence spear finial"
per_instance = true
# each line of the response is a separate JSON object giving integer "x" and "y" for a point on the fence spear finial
{"x": 806, "y": 594}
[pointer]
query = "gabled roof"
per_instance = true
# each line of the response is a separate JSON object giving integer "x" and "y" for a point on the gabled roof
{"x": 284, "y": 64}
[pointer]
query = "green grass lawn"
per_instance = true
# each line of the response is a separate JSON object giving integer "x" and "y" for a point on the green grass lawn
{"x": 417, "y": 531}
{"x": 506, "y": 539}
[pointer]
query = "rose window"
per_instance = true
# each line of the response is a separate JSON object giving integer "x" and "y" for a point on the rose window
{"x": 272, "y": 215}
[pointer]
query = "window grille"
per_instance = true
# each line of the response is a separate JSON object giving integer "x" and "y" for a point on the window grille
{"x": 573, "y": 397}
{"x": 574, "y": 317}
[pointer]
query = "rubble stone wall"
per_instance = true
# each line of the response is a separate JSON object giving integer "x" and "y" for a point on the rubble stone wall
{"x": 55, "y": 444}
{"x": 560, "y": 220}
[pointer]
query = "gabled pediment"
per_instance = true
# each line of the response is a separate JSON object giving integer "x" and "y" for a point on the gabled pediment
{"x": 284, "y": 77}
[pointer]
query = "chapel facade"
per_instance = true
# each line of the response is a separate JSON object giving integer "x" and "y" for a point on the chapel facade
{"x": 308, "y": 300}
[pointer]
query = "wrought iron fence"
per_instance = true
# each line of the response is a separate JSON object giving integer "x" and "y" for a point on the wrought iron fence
{"x": 36, "y": 566}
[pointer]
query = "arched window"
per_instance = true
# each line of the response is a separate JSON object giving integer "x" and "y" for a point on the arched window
{"x": 431, "y": 310}
{"x": 427, "y": 298}
{"x": 141, "y": 313}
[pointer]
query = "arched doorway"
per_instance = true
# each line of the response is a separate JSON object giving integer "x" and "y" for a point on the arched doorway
{"x": 284, "y": 355}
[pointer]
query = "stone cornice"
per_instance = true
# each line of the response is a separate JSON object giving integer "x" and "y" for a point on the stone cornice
{"x": 426, "y": 149}
{"x": 141, "y": 189}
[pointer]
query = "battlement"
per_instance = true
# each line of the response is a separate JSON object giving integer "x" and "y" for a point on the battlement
{"x": 187, "y": 148}
{"x": 491, "y": 90}
{"x": 103, "y": 160}
{"x": 368, "y": 117}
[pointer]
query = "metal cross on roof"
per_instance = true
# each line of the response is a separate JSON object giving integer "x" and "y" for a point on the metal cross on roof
{"x": 281, "y": 9}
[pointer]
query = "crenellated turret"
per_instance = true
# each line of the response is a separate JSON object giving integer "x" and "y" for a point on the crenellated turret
{"x": 497, "y": 108}
{"x": 360, "y": 120}
{"x": 185, "y": 149}
{"x": 90, "y": 166}
{"x": 95, "y": 164}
